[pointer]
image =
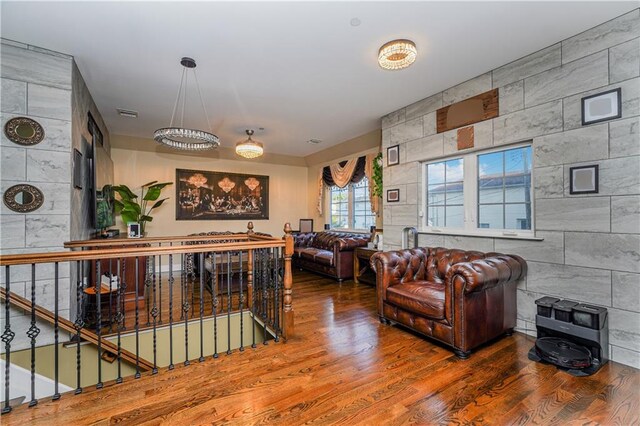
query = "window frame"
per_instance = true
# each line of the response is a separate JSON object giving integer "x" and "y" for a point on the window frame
{"x": 350, "y": 209}
{"x": 471, "y": 196}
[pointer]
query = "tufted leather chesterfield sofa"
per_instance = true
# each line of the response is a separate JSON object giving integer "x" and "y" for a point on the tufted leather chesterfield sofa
{"x": 461, "y": 298}
{"x": 328, "y": 253}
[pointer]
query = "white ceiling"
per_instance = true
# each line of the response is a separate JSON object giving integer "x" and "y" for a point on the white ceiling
{"x": 300, "y": 70}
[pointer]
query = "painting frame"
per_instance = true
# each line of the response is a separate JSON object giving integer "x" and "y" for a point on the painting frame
{"x": 393, "y": 155}
{"x": 591, "y": 98}
{"x": 305, "y": 225}
{"x": 216, "y": 195}
{"x": 595, "y": 178}
{"x": 393, "y": 195}
{"x": 77, "y": 169}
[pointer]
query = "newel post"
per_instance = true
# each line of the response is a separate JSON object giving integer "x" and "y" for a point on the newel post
{"x": 288, "y": 323}
{"x": 249, "y": 228}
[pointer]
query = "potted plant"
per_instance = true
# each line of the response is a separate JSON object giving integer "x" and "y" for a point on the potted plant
{"x": 377, "y": 175}
{"x": 131, "y": 211}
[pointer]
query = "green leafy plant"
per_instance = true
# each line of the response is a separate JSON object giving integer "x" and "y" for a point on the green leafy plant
{"x": 131, "y": 210}
{"x": 377, "y": 175}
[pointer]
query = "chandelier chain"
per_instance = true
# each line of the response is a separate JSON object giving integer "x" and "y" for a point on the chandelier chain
{"x": 195, "y": 76}
{"x": 175, "y": 105}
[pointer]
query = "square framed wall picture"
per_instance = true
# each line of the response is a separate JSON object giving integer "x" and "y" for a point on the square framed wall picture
{"x": 602, "y": 107}
{"x": 583, "y": 180}
{"x": 393, "y": 155}
{"x": 393, "y": 195}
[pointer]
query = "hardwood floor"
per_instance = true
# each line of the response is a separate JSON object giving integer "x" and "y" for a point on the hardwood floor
{"x": 345, "y": 367}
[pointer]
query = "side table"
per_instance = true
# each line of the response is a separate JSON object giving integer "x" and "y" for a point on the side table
{"x": 362, "y": 271}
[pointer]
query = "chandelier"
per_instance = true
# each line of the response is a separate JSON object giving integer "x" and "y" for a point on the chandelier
{"x": 198, "y": 180}
{"x": 249, "y": 148}
{"x": 397, "y": 54}
{"x": 179, "y": 137}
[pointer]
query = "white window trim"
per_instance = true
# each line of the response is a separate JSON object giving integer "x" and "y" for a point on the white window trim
{"x": 327, "y": 208}
{"x": 470, "y": 167}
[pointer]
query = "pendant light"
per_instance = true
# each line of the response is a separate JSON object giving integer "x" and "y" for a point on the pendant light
{"x": 249, "y": 148}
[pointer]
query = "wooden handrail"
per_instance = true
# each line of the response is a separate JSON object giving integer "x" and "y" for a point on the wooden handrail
{"x": 71, "y": 256}
{"x": 151, "y": 240}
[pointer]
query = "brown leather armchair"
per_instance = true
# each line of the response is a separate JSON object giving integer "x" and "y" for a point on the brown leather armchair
{"x": 461, "y": 298}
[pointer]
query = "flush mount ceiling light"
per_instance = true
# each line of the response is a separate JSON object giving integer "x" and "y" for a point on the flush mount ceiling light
{"x": 179, "y": 137}
{"x": 249, "y": 148}
{"x": 397, "y": 54}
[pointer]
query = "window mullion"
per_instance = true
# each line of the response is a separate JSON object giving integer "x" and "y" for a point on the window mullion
{"x": 470, "y": 191}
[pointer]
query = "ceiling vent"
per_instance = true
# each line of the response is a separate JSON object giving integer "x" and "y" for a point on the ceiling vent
{"x": 127, "y": 113}
{"x": 314, "y": 141}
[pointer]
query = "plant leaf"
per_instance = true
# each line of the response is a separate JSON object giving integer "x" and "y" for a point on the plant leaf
{"x": 146, "y": 218}
{"x": 129, "y": 217}
{"x": 154, "y": 191}
{"x": 149, "y": 184}
{"x": 158, "y": 203}
{"x": 124, "y": 192}
{"x": 131, "y": 206}
{"x": 118, "y": 205}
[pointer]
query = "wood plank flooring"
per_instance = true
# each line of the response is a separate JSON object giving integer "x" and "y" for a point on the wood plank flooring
{"x": 344, "y": 367}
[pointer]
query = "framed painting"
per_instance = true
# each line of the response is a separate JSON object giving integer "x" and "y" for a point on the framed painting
{"x": 207, "y": 195}
{"x": 583, "y": 180}
{"x": 602, "y": 107}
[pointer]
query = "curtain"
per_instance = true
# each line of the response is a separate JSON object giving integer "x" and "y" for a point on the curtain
{"x": 341, "y": 174}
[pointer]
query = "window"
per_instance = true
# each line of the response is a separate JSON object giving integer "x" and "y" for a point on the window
{"x": 350, "y": 206}
{"x": 481, "y": 193}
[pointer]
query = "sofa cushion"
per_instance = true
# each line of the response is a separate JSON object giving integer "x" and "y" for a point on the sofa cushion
{"x": 313, "y": 254}
{"x": 297, "y": 252}
{"x": 421, "y": 297}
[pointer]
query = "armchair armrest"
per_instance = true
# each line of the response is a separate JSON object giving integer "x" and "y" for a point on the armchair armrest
{"x": 488, "y": 272}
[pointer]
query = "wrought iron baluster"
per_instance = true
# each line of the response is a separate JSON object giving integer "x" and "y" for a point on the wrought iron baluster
{"x": 251, "y": 285}
{"x": 214, "y": 296}
{"x": 241, "y": 303}
{"x": 119, "y": 317}
{"x": 185, "y": 316}
{"x": 79, "y": 322}
{"x": 171, "y": 366}
{"x": 7, "y": 337}
{"x": 147, "y": 287}
{"x": 160, "y": 286}
{"x": 98, "y": 289}
{"x": 229, "y": 280}
{"x": 201, "y": 307}
{"x": 265, "y": 294}
{"x": 123, "y": 287}
{"x": 32, "y": 333}
{"x": 56, "y": 359}
{"x": 137, "y": 323}
{"x": 154, "y": 316}
{"x": 276, "y": 278}
{"x": 182, "y": 275}
{"x": 110, "y": 295}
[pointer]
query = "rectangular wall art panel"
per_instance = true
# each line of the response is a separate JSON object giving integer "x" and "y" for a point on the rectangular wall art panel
{"x": 206, "y": 195}
{"x": 472, "y": 110}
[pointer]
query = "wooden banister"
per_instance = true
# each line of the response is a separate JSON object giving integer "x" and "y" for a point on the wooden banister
{"x": 138, "y": 241}
{"x": 288, "y": 320}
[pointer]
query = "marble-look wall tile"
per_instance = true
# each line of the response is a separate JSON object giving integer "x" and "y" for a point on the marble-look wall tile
{"x": 624, "y": 61}
{"x": 424, "y": 106}
{"x": 48, "y": 166}
{"x": 45, "y": 294}
{"x": 618, "y": 176}
{"x": 50, "y": 102}
{"x": 46, "y": 230}
{"x": 404, "y": 215}
{"x": 44, "y": 271}
{"x": 561, "y": 214}
{"x": 625, "y": 214}
{"x": 624, "y": 137}
{"x": 469, "y": 243}
{"x": 550, "y": 250}
{"x": 57, "y": 134}
{"x": 511, "y": 97}
{"x": 482, "y": 138}
{"x": 13, "y": 162}
{"x": 620, "y": 252}
{"x": 12, "y": 227}
{"x": 425, "y": 148}
{"x": 529, "y": 123}
{"x": 585, "y": 144}
{"x": 430, "y": 240}
{"x": 392, "y": 236}
{"x": 603, "y": 36}
{"x": 548, "y": 182}
{"x": 624, "y": 329}
{"x": 527, "y": 66}
{"x": 35, "y": 67}
{"x": 429, "y": 124}
{"x": 626, "y": 290}
{"x": 581, "y": 284}
{"x": 469, "y": 88}
{"x": 402, "y": 174}
{"x": 625, "y": 356}
{"x": 7, "y": 42}
{"x": 14, "y": 96}
{"x": 406, "y": 131}
{"x": 572, "y": 106}
{"x": 575, "y": 77}
{"x": 525, "y": 301}
{"x": 393, "y": 118}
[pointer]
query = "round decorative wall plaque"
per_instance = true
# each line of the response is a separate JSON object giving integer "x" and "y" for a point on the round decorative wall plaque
{"x": 23, "y": 198}
{"x": 24, "y": 131}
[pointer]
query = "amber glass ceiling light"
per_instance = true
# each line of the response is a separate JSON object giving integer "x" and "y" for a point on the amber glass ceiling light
{"x": 249, "y": 148}
{"x": 179, "y": 137}
{"x": 397, "y": 54}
